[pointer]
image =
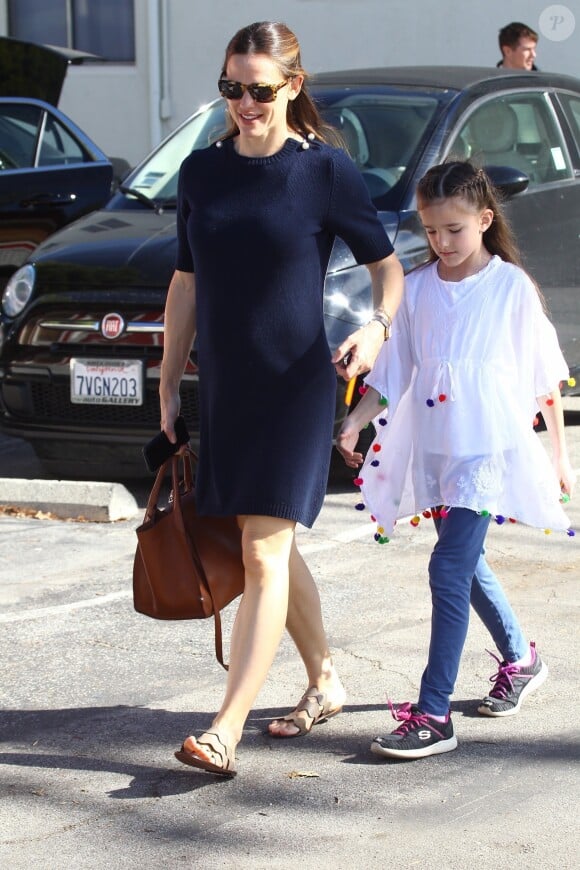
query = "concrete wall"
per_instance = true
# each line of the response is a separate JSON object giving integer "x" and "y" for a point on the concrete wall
{"x": 180, "y": 46}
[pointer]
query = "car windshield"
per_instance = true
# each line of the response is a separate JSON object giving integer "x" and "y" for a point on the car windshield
{"x": 157, "y": 177}
{"x": 383, "y": 131}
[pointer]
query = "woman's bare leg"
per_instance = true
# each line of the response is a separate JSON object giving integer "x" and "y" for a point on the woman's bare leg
{"x": 304, "y": 623}
{"x": 259, "y": 623}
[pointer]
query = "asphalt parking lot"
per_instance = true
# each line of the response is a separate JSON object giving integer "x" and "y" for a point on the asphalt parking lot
{"x": 95, "y": 699}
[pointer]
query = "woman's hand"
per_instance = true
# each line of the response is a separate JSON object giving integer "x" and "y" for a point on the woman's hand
{"x": 357, "y": 353}
{"x": 170, "y": 407}
{"x": 179, "y": 333}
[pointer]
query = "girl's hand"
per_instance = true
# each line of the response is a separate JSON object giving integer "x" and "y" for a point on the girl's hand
{"x": 346, "y": 443}
{"x": 566, "y": 475}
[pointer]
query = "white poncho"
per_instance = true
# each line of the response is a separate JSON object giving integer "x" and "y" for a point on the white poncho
{"x": 461, "y": 374}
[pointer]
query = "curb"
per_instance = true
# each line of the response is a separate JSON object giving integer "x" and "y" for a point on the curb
{"x": 70, "y": 499}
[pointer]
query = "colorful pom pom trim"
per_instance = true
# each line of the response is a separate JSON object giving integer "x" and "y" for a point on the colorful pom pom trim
{"x": 441, "y": 512}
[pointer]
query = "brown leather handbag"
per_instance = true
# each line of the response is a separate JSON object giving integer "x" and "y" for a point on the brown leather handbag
{"x": 186, "y": 566}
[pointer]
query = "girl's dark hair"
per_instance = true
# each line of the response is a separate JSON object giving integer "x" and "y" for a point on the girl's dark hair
{"x": 460, "y": 178}
{"x": 279, "y": 44}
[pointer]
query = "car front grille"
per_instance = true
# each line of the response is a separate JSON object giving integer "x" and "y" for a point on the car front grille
{"x": 52, "y": 404}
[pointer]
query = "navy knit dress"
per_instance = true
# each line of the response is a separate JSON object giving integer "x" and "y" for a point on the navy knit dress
{"x": 258, "y": 233}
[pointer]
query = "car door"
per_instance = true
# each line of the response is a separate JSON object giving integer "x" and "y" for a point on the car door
{"x": 523, "y": 130}
{"x": 50, "y": 174}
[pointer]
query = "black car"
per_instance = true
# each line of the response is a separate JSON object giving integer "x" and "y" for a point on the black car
{"x": 51, "y": 173}
{"x": 82, "y": 322}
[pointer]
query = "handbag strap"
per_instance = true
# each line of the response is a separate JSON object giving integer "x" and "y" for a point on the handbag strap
{"x": 183, "y": 459}
{"x": 219, "y": 652}
{"x": 153, "y": 499}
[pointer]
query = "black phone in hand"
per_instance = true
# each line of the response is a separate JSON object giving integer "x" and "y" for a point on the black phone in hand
{"x": 160, "y": 449}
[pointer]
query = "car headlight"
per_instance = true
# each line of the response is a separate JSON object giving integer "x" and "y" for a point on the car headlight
{"x": 348, "y": 295}
{"x": 18, "y": 290}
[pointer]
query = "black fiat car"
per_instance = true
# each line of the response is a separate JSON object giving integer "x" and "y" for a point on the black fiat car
{"x": 81, "y": 323}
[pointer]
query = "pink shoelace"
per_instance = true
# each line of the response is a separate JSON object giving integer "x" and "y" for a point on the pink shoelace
{"x": 503, "y": 679}
{"x": 404, "y": 713}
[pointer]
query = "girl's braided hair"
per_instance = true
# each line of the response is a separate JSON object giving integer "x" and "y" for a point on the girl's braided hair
{"x": 460, "y": 178}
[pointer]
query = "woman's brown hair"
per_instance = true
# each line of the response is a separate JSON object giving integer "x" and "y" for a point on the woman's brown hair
{"x": 460, "y": 178}
{"x": 277, "y": 42}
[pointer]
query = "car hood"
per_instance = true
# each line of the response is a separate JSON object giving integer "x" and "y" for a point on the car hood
{"x": 135, "y": 248}
{"x": 110, "y": 248}
{"x": 35, "y": 71}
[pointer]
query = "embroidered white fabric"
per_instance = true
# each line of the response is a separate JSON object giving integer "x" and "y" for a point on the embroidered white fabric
{"x": 461, "y": 372}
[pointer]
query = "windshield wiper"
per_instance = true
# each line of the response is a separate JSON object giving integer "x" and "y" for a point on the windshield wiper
{"x": 132, "y": 191}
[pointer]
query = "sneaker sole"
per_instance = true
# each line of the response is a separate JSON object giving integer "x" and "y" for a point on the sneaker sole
{"x": 434, "y": 749}
{"x": 534, "y": 684}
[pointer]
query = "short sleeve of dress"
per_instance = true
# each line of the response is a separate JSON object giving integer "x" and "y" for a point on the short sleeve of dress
{"x": 184, "y": 258}
{"x": 352, "y": 215}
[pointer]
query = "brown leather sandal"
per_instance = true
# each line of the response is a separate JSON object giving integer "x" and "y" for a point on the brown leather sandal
{"x": 195, "y": 755}
{"x": 313, "y": 709}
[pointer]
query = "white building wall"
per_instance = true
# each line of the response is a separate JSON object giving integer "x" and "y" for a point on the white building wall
{"x": 180, "y": 46}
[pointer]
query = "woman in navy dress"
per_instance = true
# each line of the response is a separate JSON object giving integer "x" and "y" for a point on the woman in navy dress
{"x": 257, "y": 216}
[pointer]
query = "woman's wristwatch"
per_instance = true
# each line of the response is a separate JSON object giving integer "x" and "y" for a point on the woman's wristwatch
{"x": 384, "y": 319}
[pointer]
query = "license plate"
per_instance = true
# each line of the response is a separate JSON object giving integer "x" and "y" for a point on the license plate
{"x": 106, "y": 382}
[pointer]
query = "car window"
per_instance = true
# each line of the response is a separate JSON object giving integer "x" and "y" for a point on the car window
{"x": 518, "y": 130}
{"x": 58, "y": 146}
{"x": 381, "y": 132}
{"x": 31, "y": 136}
{"x": 19, "y": 125}
{"x": 571, "y": 105}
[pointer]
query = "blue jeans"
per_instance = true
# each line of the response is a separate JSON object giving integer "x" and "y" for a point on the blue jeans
{"x": 460, "y": 576}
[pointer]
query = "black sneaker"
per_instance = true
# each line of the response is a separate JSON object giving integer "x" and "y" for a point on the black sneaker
{"x": 512, "y": 684}
{"x": 418, "y": 735}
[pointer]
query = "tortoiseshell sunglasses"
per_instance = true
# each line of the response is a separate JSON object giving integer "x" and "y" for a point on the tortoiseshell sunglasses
{"x": 261, "y": 93}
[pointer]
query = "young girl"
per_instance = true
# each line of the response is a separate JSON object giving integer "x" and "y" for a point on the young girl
{"x": 471, "y": 358}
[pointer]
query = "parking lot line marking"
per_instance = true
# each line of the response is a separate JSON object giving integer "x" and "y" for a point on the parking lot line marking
{"x": 58, "y": 609}
{"x": 355, "y": 533}
{"x": 65, "y": 608}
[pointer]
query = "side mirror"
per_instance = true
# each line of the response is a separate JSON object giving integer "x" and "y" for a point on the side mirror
{"x": 507, "y": 179}
{"x": 121, "y": 169}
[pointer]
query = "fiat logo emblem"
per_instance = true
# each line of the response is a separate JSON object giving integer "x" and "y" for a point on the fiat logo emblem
{"x": 112, "y": 325}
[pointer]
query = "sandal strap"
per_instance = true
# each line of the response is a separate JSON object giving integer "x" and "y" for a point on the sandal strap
{"x": 224, "y": 757}
{"x": 311, "y": 705}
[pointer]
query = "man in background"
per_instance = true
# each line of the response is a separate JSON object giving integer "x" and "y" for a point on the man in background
{"x": 517, "y": 43}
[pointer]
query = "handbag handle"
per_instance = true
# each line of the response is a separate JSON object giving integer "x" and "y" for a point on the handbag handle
{"x": 187, "y": 455}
